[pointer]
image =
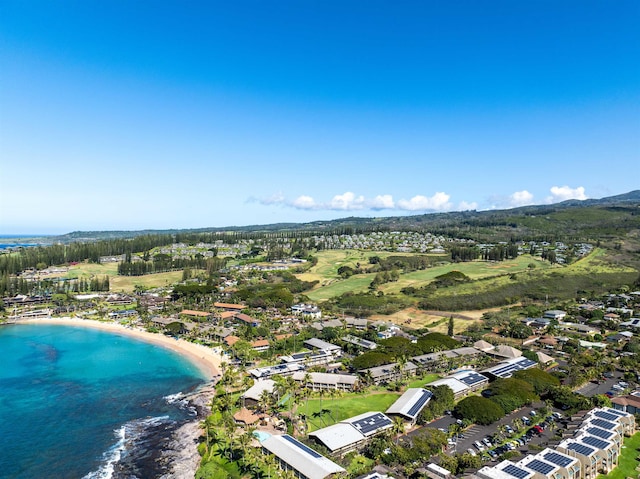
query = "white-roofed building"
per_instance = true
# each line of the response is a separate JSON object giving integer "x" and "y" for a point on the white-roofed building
{"x": 505, "y": 369}
{"x": 472, "y": 379}
{"x": 568, "y": 467}
{"x": 458, "y": 387}
{"x": 410, "y": 404}
{"x": 389, "y": 372}
{"x": 326, "y": 381}
{"x": 279, "y": 370}
{"x": 352, "y": 433}
{"x": 316, "y": 343}
{"x": 292, "y": 455}
{"x": 505, "y": 470}
{"x": 252, "y": 396}
{"x": 588, "y": 456}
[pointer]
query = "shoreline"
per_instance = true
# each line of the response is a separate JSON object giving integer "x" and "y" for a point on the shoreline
{"x": 181, "y": 454}
{"x": 205, "y": 358}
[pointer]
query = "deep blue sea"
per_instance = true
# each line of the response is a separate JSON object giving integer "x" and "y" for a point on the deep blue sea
{"x": 10, "y": 241}
{"x": 83, "y": 403}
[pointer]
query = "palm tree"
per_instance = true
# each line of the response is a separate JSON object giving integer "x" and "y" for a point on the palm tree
{"x": 398, "y": 427}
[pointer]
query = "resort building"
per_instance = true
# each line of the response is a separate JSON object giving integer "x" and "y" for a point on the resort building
{"x": 306, "y": 310}
{"x": 473, "y": 380}
{"x": 252, "y": 396}
{"x": 410, "y": 404}
{"x": 361, "y": 343}
{"x": 315, "y": 358}
{"x": 327, "y": 381}
{"x": 319, "y": 344}
{"x": 353, "y": 433}
{"x": 280, "y": 369}
{"x": 458, "y": 387}
{"x": 292, "y": 455}
{"x": 505, "y": 470}
{"x": 505, "y": 369}
{"x": 388, "y": 372}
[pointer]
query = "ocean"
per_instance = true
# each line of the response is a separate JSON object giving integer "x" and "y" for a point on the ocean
{"x": 15, "y": 241}
{"x": 84, "y": 403}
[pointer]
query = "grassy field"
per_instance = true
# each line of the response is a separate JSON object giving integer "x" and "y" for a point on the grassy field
{"x": 330, "y": 285}
{"x": 437, "y": 322}
{"x": 344, "y": 407}
{"x": 628, "y": 460}
{"x": 122, "y": 283}
{"x": 418, "y": 383}
{"x": 473, "y": 269}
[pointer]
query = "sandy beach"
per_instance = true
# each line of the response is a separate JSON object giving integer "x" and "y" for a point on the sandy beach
{"x": 207, "y": 360}
{"x": 180, "y": 455}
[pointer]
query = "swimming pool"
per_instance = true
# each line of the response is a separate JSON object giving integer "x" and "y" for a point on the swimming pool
{"x": 261, "y": 435}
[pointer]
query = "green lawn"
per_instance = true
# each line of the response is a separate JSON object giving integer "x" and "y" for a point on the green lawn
{"x": 344, "y": 407}
{"x": 418, "y": 383}
{"x": 628, "y": 462}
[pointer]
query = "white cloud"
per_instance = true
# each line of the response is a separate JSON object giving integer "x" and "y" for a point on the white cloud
{"x": 439, "y": 202}
{"x": 382, "y": 202}
{"x": 304, "y": 203}
{"x": 521, "y": 198}
{"x": 563, "y": 193}
{"x": 465, "y": 206}
{"x": 347, "y": 201}
{"x": 275, "y": 199}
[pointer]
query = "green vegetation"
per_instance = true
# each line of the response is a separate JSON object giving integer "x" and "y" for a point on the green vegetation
{"x": 628, "y": 461}
{"x": 424, "y": 380}
{"x": 325, "y": 412}
{"x": 479, "y": 410}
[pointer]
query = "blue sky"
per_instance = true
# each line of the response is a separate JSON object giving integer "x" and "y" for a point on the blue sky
{"x": 152, "y": 114}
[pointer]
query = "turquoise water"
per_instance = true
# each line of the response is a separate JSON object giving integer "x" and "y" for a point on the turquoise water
{"x": 78, "y": 402}
{"x": 261, "y": 435}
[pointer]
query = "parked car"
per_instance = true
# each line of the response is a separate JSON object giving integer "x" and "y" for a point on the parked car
{"x": 509, "y": 429}
{"x": 533, "y": 414}
{"x": 478, "y": 446}
{"x": 471, "y": 451}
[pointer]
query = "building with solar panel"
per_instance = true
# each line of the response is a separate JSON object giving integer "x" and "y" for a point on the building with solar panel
{"x": 458, "y": 387}
{"x": 505, "y": 369}
{"x": 608, "y": 450}
{"x": 353, "y": 433}
{"x": 472, "y": 379}
{"x": 592, "y": 461}
{"x": 278, "y": 370}
{"x": 292, "y": 455}
{"x": 410, "y": 404}
{"x": 625, "y": 420}
{"x": 505, "y": 470}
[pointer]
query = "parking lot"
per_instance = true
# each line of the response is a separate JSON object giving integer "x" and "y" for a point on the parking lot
{"x": 476, "y": 432}
{"x": 601, "y": 386}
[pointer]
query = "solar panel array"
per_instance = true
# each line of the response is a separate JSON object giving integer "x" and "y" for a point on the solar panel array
{"x": 596, "y": 431}
{"x": 559, "y": 459}
{"x": 472, "y": 378}
{"x": 370, "y": 424}
{"x": 516, "y": 471}
{"x": 601, "y": 423}
{"x": 422, "y": 400}
{"x": 595, "y": 442}
{"x": 304, "y": 447}
{"x": 581, "y": 448}
{"x": 540, "y": 466}
{"x": 606, "y": 415}
{"x": 615, "y": 412}
{"x": 508, "y": 369}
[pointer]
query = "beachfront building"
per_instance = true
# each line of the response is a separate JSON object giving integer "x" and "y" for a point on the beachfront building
{"x": 410, "y": 404}
{"x": 326, "y": 381}
{"x": 279, "y": 370}
{"x": 352, "y": 434}
{"x": 304, "y": 462}
{"x": 252, "y": 396}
